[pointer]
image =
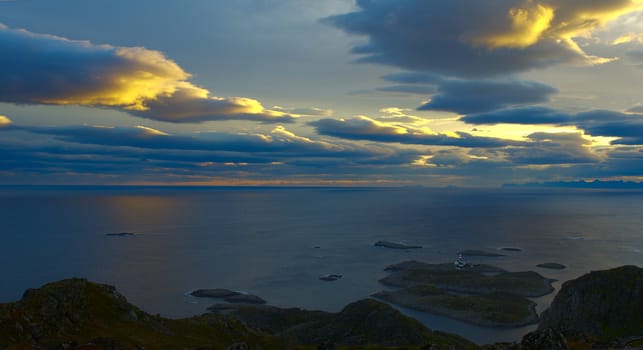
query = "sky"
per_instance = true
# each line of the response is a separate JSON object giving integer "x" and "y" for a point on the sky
{"x": 308, "y": 93}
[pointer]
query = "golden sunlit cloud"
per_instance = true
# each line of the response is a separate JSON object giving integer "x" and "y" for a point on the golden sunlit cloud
{"x": 628, "y": 38}
{"x": 535, "y": 22}
{"x": 366, "y": 125}
{"x": 423, "y": 161}
{"x": 290, "y": 137}
{"x": 525, "y": 27}
{"x": 4, "y": 121}
{"x": 146, "y": 131}
{"x": 140, "y": 81}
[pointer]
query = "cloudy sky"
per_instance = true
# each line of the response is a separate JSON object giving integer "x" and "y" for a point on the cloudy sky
{"x": 333, "y": 92}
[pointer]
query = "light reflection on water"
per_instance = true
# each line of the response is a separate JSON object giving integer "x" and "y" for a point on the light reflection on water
{"x": 265, "y": 240}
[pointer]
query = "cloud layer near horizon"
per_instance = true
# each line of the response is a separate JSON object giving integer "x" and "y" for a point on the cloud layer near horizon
{"x": 364, "y": 128}
{"x": 46, "y": 69}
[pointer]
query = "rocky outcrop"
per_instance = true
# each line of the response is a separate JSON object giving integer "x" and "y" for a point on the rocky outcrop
{"x": 602, "y": 305}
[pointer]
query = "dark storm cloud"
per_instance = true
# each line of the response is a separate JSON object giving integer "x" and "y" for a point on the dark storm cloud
{"x": 476, "y": 96}
{"x": 476, "y": 38}
{"x": 363, "y": 128}
{"x": 44, "y": 69}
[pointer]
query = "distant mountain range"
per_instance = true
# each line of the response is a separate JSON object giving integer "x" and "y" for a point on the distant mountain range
{"x": 580, "y": 184}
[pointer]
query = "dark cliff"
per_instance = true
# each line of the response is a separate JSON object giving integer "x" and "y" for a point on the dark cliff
{"x": 602, "y": 304}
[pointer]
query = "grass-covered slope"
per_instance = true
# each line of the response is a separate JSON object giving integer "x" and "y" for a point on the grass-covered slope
{"x": 76, "y": 311}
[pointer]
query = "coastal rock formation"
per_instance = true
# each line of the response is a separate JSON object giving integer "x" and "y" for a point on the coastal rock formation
{"x": 395, "y": 245}
{"x": 603, "y": 305}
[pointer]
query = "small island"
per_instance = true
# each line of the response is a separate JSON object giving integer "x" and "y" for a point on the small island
{"x": 214, "y": 293}
{"x": 552, "y": 266}
{"x": 480, "y": 294}
{"x": 330, "y": 277}
{"x": 120, "y": 234}
{"x": 396, "y": 245}
{"x": 228, "y": 295}
{"x": 511, "y": 249}
{"x": 477, "y": 252}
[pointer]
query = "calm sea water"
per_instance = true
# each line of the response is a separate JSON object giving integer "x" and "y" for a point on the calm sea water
{"x": 277, "y": 242}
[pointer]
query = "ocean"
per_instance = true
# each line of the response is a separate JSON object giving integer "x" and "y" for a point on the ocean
{"x": 276, "y": 242}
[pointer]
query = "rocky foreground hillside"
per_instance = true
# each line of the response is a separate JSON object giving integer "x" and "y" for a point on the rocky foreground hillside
{"x": 78, "y": 314}
{"x": 603, "y": 309}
